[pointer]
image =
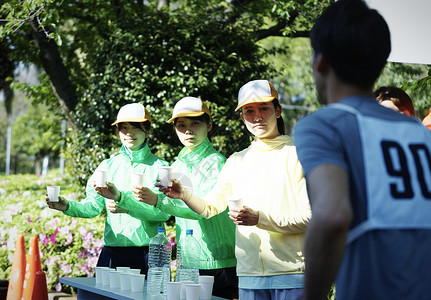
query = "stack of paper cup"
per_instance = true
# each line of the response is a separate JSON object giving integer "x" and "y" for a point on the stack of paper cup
{"x": 114, "y": 279}
{"x": 193, "y": 291}
{"x": 173, "y": 290}
{"x": 206, "y": 282}
{"x": 99, "y": 274}
{"x": 137, "y": 282}
{"x": 125, "y": 281}
{"x": 183, "y": 289}
{"x": 105, "y": 276}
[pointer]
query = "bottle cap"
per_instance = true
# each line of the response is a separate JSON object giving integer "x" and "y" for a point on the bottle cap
{"x": 161, "y": 229}
{"x": 189, "y": 231}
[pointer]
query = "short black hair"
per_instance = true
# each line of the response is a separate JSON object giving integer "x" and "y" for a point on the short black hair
{"x": 354, "y": 39}
{"x": 144, "y": 126}
{"x": 203, "y": 118}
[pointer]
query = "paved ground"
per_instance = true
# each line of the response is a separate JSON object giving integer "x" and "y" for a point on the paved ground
{"x": 60, "y": 296}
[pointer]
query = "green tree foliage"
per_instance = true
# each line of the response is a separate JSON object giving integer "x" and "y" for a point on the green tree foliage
{"x": 414, "y": 79}
{"x": 35, "y": 134}
{"x": 174, "y": 55}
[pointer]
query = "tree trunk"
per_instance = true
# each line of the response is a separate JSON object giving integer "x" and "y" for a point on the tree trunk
{"x": 56, "y": 71}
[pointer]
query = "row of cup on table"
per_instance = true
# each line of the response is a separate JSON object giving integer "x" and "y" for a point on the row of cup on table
{"x": 123, "y": 278}
{"x": 127, "y": 279}
{"x": 188, "y": 290}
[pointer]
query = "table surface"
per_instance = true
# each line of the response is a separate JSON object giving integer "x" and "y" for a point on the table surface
{"x": 89, "y": 284}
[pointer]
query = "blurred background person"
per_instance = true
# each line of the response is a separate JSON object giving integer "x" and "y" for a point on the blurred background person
{"x": 395, "y": 99}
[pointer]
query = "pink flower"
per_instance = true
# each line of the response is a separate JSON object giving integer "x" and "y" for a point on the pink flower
{"x": 29, "y": 220}
{"x": 53, "y": 222}
{"x": 69, "y": 239}
{"x": 53, "y": 238}
{"x": 66, "y": 268}
{"x": 58, "y": 287}
{"x": 43, "y": 238}
{"x": 65, "y": 229}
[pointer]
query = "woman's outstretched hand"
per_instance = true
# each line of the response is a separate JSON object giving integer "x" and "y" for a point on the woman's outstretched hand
{"x": 110, "y": 191}
{"x": 175, "y": 191}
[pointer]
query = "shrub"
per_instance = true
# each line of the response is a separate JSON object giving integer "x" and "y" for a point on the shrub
{"x": 68, "y": 246}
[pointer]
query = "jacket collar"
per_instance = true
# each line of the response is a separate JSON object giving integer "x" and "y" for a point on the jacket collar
{"x": 136, "y": 156}
{"x": 193, "y": 156}
{"x": 271, "y": 144}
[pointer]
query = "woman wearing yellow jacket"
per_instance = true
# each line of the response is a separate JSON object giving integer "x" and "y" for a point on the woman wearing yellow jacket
{"x": 268, "y": 177}
{"x": 127, "y": 234}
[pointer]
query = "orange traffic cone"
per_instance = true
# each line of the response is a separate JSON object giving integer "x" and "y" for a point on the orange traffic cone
{"x": 40, "y": 289}
{"x": 33, "y": 265}
{"x": 17, "y": 273}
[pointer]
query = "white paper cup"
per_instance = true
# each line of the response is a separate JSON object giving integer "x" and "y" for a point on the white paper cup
{"x": 53, "y": 192}
{"x": 125, "y": 281}
{"x": 173, "y": 290}
{"x": 137, "y": 179}
{"x": 121, "y": 269}
{"x": 134, "y": 271}
{"x": 165, "y": 176}
{"x": 100, "y": 178}
{"x": 99, "y": 274}
{"x": 193, "y": 291}
{"x": 114, "y": 279}
{"x": 234, "y": 202}
{"x": 137, "y": 282}
{"x": 183, "y": 289}
{"x": 105, "y": 276}
{"x": 206, "y": 282}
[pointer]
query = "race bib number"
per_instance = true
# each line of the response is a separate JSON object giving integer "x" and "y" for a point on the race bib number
{"x": 397, "y": 162}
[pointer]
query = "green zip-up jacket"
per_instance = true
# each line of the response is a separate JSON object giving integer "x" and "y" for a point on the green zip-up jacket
{"x": 139, "y": 225}
{"x": 198, "y": 170}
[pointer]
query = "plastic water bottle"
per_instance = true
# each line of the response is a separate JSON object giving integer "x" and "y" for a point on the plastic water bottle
{"x": 188, "y": 257}
{"x": 159, "y": 260}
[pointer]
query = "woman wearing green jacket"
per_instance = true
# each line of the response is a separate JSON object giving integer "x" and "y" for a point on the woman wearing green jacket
{"x": 198, "y": 166}
{"x": 127, "y": 233}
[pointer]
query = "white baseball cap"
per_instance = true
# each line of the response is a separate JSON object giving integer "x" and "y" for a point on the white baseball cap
{"x": 134, "y": 112}
{"x": 189, "y": 107}
{"x": 256, "y": 91}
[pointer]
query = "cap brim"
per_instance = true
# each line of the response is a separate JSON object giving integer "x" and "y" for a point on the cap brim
{"x": 130, "y": 120}
{"x": 186, "y": 114}
{"x": 260, "y": 99}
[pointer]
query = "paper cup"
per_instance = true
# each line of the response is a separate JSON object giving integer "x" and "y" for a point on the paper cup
{"x": 173, "y": 290}
{"x": 125, "y": 281}
{"x": 53, "y": 192}
{"x": 183, "y": 289}
{"x": 105, "y": 276}
{"x": 165, "y": 176}
{"x": 134, "y": 271}
{"x": 234, "y": 202}
{"x": 137, "y": 179}
{"x": 100, "y": 178}
{"x": 193, "y": 291}
{"x": 122, "y": 269}
{"x": 114, "y": 279}
{"x": 206, "y": 282}
{"x": 137, "y": 282}
{"x": 99, "y": 274}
